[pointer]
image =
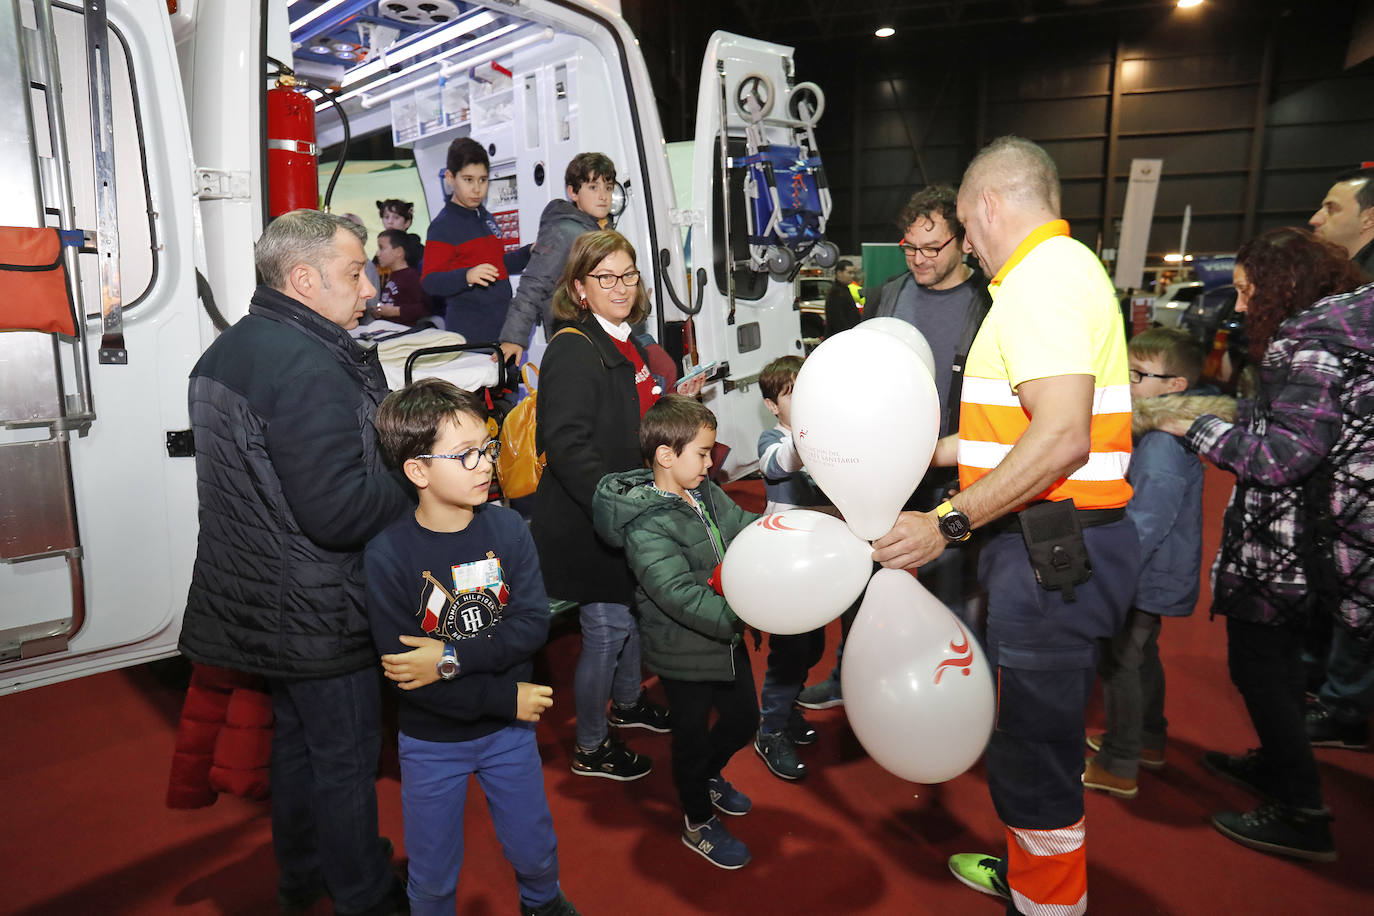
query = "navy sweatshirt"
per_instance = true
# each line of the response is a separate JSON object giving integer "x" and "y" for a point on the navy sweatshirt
{"x": 458, "y": 240}
{"x": 415, "y": 585}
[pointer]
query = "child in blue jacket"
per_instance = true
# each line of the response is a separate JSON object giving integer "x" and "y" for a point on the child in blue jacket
{"x": 1166, "y": 508}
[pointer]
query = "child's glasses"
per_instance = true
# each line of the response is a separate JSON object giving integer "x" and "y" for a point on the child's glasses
{"x": 607, "y": 281}
{"x": 469, "y": 458}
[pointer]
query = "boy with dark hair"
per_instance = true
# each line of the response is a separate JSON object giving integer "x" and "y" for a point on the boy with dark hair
{"x": 589, "y": 180}
{"x": 675, "y": 525}
{"x": 458, "y": 580}
{"x": 465, "y": 259}
{"x": 403, "y": 298}
{"x": 1166, "y": 508}
{"x": 787, "y": 486}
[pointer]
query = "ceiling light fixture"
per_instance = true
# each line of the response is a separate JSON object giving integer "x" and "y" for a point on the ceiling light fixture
{"x": 1188, "y": 4}
{"x": 373, "y": 86}
{"x": 431, "y": 40}
{"x": 886, "y": 31}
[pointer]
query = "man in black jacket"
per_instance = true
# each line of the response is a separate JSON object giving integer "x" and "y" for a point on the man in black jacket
{"x": 291, "y": 487}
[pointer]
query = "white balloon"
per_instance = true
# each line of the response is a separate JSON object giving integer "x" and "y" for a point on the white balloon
{"x": 916, "y": 685}
{"x": 907, "y": 333}
{"x": 794, "y": 571}
{"x": 865, "y": 419}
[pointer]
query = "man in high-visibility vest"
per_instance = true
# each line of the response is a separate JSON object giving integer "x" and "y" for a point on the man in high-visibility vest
{"x": 1043, "y": 444}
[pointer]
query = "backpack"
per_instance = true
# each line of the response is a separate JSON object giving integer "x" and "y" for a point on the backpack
{"x": 520, "y": 465}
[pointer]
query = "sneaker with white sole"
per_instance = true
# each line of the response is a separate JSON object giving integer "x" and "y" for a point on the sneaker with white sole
{"x": 824, "y": 695}
{"x": 800, "y": 730}
{"x": 726, "y": 798}
{"x": 612, "y": 760}
{"x": 716, "y": 844}
{"x": 778, "y": 752}
{"x": 640, "y": 714}
{"x": 980, "y": 872}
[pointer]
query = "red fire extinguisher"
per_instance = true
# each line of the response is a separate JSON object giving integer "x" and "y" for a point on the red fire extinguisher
{"x": 293, "y": 175}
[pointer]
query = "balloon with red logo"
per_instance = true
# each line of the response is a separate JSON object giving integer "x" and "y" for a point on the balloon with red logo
{"x": 794, "y": 571}
{"x": 917, "y": 689}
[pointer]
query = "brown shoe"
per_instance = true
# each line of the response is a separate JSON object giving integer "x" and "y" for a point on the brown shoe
{"x": 1150, "y": 758}
{"x": 1095, "y": 777}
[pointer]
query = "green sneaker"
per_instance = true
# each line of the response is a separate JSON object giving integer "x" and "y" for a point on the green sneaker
{"x": 980, "y": 873}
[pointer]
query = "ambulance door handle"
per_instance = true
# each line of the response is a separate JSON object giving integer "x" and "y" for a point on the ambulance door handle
{"x": 665, "y": 259}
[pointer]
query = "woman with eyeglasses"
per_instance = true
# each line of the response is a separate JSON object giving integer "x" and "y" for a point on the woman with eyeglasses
{"x": 594, "y": 387}
{"x": 1296, "y": 538}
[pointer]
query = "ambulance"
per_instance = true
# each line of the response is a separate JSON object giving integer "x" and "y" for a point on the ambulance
{"x": 140, "y": 130}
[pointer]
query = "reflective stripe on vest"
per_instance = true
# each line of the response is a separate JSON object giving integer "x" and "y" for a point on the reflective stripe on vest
{"x": 992, "y": 420}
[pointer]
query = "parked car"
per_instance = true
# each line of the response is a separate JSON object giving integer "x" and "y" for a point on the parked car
{"x": 1212, "y": 320}
{"x": 1170, "y": 305}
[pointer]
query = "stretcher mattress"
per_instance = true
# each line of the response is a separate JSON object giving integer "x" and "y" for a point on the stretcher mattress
{"x": 472, "y": 371}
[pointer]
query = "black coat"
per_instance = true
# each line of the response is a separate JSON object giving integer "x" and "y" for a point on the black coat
{"x": 587, "y": 426}
{"x": 291, "y": 487}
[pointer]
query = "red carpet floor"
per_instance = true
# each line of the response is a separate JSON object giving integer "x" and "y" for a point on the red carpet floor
{"x": 83, "y": 770}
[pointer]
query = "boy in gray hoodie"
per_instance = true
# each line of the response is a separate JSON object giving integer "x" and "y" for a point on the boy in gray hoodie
{"x": 590, "y": 178}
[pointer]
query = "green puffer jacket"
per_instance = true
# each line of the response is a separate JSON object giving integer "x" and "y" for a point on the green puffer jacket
{"x": 687, "y": 632}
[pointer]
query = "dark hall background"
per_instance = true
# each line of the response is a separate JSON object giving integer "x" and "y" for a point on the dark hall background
{"x": 1253, "y": 106}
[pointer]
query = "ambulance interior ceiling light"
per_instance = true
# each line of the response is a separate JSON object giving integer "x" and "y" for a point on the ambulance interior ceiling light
{"x": 371, "y": 97}
{"x": 886, "y": 31}
{"x": 426, "y": 41}
{"x": 416, "y": 67}
{"x": 316, "y": 13}
{"x": 370, "y": 89}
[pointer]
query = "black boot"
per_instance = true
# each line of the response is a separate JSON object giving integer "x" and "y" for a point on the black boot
{"x": 1304, "y": 833}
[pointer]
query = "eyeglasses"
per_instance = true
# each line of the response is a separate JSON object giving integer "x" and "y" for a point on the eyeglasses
{"x": 469, "y": 458}
{"x": 926, "y": 251}
{"x": 630, "y": 278}
{"x": 1137, "y": 376}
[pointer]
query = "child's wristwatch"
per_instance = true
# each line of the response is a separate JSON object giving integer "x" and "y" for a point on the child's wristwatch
{"x": 953, "y": 524}
{"x": 448, "y": 663}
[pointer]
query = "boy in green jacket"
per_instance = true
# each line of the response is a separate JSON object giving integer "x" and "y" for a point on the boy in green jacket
{"x": 674, "y": 526}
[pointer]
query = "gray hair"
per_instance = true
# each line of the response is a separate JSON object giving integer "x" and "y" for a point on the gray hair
{"x": 299, "y": 237}
{"x": 1019, "y": 170}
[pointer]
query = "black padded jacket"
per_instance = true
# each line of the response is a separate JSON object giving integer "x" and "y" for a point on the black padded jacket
{"x": 291, "y": 487}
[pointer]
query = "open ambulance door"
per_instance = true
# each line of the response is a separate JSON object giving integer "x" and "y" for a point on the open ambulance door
{"x": 747, "y": 103}
{"x": 97, "y": 489}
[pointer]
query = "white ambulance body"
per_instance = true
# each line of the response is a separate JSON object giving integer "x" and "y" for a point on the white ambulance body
{"x": 162, "y": 162}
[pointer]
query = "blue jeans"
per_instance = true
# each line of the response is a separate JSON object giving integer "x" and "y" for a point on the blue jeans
{"x": 1133, "y": 692}
{"x": 1349, "y": 687}
{"x": 325, "y": 747}
{"x": 608, "y": 667}
{"x": 434, "y": 785}
{"x": 789, "y": 658}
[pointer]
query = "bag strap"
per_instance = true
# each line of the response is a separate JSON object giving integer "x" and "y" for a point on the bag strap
{"x": 583, "y": 335}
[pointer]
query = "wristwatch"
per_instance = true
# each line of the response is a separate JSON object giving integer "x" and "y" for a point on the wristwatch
{"x": 954, "y": 525}
{"x": 448, "y": 664}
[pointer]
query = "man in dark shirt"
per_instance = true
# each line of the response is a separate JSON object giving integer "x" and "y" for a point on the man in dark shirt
{"x": 841, "y": 312}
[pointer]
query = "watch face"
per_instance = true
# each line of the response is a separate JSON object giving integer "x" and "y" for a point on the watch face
{"x": 955, "y": 526}
{"x": 448, "y": 667}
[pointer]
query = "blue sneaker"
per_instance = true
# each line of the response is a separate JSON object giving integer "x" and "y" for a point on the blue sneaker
{"x": 726, "y": 798}
{"x": 716, "y": 844}
{"x": 825, "y": 695}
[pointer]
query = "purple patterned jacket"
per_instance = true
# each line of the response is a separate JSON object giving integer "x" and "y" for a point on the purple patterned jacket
{"x": 1299, "y": 531}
